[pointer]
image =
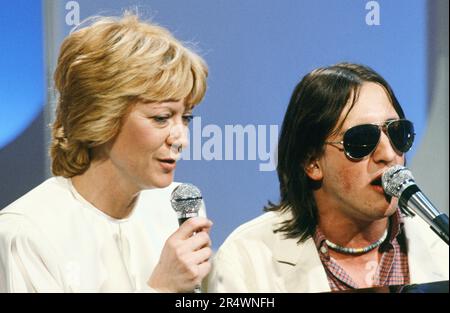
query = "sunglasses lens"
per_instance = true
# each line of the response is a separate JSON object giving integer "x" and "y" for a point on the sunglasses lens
{"x": 361, "y": 140}
{"x": 401, "y": 134}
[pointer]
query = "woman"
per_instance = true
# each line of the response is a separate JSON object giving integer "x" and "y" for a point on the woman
{"x": 126, "y": 94}
{"x": 334, "y": 229}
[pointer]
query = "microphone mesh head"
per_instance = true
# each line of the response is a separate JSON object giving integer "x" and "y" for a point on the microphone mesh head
{"x": 186, "y": 200}
{"x": 395, "y": 179}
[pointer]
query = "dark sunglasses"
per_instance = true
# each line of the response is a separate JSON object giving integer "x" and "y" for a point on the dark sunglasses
{"x": 361, "y": 140}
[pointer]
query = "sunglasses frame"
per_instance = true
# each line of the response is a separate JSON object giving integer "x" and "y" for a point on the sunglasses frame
{"x": 383, "y": 127}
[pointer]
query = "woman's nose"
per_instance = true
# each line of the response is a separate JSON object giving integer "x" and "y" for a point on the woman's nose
{"x": 178, "y": 138}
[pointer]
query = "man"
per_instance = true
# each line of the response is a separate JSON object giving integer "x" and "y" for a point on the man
{"x": 334, "y": 228}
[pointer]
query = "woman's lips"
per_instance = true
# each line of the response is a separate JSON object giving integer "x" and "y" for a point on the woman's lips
{"x": 168, "y": 164}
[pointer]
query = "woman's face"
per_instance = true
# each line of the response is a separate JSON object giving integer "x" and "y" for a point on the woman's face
{"x": 145, "y": 152}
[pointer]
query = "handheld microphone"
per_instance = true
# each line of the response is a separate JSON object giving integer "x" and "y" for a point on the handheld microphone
{"x": 398, "y": 181}
{"x": 186, "y": 200}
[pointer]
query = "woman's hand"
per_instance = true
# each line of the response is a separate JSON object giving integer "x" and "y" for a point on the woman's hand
{"x": 184, "y": 260}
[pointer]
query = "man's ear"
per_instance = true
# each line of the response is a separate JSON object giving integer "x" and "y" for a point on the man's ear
{"x": 314, "y": 170}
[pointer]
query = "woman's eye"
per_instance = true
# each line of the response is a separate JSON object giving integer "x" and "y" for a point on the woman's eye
{"x": 187, "y": 119}
{"x": 160, "y": 119}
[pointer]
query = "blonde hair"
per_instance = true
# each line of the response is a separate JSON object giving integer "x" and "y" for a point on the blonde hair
{"x": 106, "y": 67}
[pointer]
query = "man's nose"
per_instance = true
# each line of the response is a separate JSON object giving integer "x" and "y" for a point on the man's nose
{"x": 384, "y": 151}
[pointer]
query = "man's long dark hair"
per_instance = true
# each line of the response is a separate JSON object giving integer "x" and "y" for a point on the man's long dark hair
{"x": 313, "y": 113}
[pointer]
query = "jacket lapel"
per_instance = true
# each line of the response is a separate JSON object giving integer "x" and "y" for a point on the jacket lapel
{"x": 299, "y": 266}
{"x": 427, "y": 253}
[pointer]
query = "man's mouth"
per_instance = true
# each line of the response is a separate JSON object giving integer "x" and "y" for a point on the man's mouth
{"x": 376, "y": 181}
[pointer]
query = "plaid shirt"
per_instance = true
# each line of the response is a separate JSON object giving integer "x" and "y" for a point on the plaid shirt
{"x": 392, "y": 269}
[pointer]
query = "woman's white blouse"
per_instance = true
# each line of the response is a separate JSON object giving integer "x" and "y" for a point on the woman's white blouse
{"x": 53, "y": 240}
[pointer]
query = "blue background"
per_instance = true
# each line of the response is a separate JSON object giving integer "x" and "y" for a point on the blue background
{"x": 22, "y": 80}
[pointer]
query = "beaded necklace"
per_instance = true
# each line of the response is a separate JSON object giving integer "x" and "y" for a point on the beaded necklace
{"x": 346, "y": 250}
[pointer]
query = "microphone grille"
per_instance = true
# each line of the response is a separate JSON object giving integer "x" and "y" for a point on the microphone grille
{"x": 186, "y": 200}
{"x": 396, "y": 179}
